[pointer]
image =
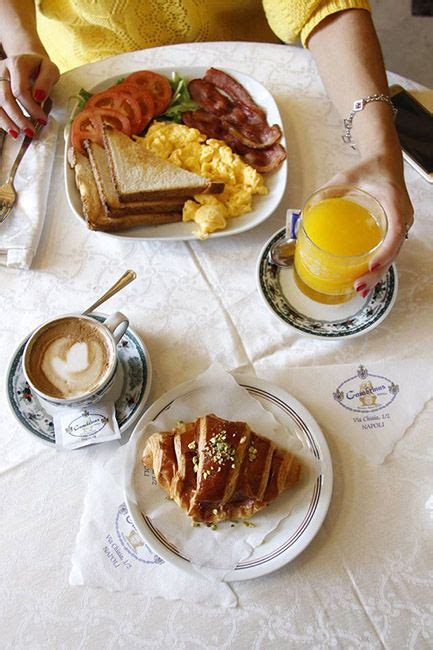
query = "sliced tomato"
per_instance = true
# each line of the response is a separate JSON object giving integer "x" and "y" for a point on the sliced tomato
{"x": 87, "y": 125}
{"x": 154, "y": 83}
{"x": 114, "y": 98}
{"x": 145, "y": 100}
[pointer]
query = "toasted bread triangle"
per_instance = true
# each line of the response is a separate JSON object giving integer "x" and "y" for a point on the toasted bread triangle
{"x": 107, "y": 192}
{"x": 93, "y": 210}
{"x": 139, "y": 174}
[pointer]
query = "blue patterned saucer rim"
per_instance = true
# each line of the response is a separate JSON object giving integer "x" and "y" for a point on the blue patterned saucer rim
{"x": 137, "y": 377}
{"x": 374, "y": 310}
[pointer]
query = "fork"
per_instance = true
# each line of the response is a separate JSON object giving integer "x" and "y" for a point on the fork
{"x": 8, "y": 195}
{"x": 2, "y": 140}
{"x": 2, "y": 131}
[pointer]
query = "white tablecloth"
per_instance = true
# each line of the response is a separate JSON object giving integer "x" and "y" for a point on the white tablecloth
{"x": 366, "y": 581}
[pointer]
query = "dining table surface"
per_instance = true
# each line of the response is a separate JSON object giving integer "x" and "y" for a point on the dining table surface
{"x": 366, "y": 579}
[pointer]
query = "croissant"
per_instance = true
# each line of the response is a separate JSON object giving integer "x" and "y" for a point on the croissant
{"x": 216, "y": 469}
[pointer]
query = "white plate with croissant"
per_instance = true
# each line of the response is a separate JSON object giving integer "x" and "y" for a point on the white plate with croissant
{"x": 221, "y": 486}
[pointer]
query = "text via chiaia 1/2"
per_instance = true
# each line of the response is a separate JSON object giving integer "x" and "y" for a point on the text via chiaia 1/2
{"x": 372, "y": 421}
{"x": 114, "y": 554}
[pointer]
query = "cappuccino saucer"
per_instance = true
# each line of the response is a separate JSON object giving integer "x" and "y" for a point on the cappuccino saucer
{"x": 282, "y": 296}
{"x": 130, "y": 389}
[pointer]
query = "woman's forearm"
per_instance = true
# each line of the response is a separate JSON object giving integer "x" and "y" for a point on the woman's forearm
{"x": 348, "y": 56}
{"x": 349, "y": 59}
{"x": 18, "y": 33}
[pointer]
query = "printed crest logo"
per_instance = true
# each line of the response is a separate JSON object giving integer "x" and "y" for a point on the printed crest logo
{"x": 130, "y": 540}
{"x": 86, "y": 425}
{"x": 366, "y": 392}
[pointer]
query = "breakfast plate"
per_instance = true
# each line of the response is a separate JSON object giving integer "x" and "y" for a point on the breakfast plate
{"x": 282, "y": 296}
{"x": 263, "y": 206}
{"x": 295, "y": 531}
{"x": 132, "y": 387}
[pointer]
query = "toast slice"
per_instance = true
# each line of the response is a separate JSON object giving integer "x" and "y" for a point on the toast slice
{"x": 93, "y": 210}
{"x": 113, "y": 207}
{"x": 140, "y": 175}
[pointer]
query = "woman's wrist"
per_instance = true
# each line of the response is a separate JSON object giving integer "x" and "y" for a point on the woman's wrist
{"x": 24, "y": 45}
{"x": 378, "y": 143}
{"x": 375, "y": 133}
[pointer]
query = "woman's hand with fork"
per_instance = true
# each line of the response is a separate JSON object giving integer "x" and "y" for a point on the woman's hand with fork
{"x": 25, "y": 81}
{"x": 8, "y": 194}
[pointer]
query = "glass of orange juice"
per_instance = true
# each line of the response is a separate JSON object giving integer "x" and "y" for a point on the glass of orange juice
{"x": 340, "y": 229}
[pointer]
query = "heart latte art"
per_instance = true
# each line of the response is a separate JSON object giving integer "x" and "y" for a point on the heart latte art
{"x": 70, "y": 358}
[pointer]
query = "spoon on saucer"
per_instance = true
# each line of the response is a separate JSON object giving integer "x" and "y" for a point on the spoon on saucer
{"x": 125, "y": 279}
{"x": 282, "y": 251}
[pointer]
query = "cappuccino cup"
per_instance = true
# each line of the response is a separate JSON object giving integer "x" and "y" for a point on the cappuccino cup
{"x": 71, "y": 360}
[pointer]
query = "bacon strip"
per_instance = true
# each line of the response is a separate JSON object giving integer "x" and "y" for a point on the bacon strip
{"x": 232, "y": 87}
{"x": 209, "y": 97}
{"x": 264, "y": 160}
{"x": 243, "y": 114}
{"x": 240, "y": 97}
{"x": 207, "y": 123}
{"x": 255, "y": 137}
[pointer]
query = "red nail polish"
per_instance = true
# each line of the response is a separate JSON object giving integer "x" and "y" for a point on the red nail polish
{"x": 41, "y": 121}
{"x": 365, "y": 293}
{"x": 13, "y": 133}
{"x": 39, "y": 94}
{"x": 29, "y": 133}
{"x": 360, "y": 287}
{"x": 375, "y": 266}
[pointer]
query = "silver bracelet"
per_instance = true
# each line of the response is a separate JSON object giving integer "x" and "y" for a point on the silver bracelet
{"x": 359, "y": 105}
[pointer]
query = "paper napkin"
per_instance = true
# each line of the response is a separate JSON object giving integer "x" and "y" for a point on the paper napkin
{"x": 20, "y": 233}
{"x": 367, "y": 406}
{"x": 109, "y": 553}
{"x": 89, "y": 425}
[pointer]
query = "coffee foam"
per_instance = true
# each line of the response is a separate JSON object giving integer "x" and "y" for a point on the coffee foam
{"x": 69, "y": 358}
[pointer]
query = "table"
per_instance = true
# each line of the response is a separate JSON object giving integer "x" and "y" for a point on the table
{"x": 366, "y": 580}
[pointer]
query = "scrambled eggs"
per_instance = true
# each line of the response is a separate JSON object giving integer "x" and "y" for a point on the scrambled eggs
{"x": 189, "y": 149}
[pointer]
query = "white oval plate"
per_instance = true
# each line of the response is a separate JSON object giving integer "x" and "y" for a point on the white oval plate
{"x": 295, "y": 532}
{"x": 264, "y": 206}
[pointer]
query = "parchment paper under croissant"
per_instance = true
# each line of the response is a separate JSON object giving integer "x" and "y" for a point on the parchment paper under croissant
{"x": 217, "y": 469}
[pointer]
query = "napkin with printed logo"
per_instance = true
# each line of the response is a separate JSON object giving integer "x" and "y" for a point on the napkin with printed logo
{"x": 20, "y": 233}
{"x": 109, "y": 552}
{"x": 366, "y": 406}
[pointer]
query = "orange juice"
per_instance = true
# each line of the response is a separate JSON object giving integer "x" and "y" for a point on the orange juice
{"x": 336, "y": 240}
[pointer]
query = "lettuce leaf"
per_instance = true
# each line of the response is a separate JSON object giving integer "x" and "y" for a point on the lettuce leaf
{"x": 180, "y": 102}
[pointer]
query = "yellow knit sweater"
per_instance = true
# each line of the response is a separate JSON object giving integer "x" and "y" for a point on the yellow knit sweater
{"x": 80, "y": 31}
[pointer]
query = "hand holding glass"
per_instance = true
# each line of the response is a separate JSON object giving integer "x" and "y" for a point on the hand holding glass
{"x": 341, "y": 228}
